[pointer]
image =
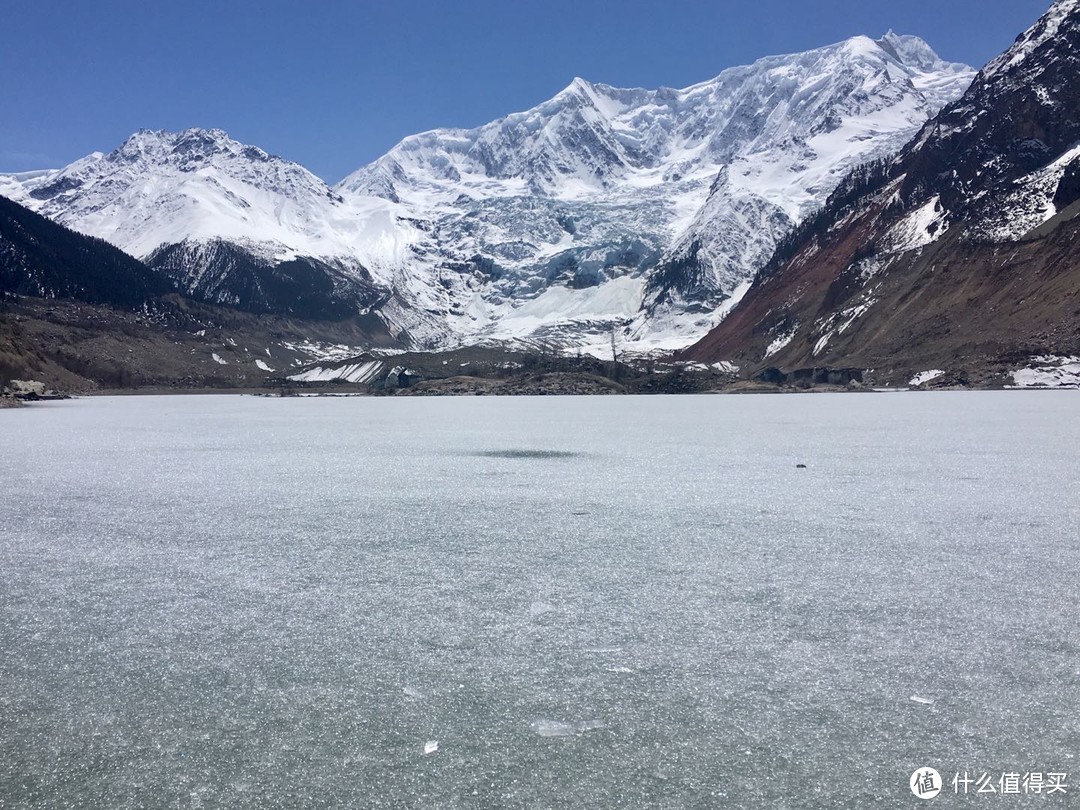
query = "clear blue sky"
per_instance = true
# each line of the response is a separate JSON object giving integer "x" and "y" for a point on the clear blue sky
{"x": 334, "y": 84}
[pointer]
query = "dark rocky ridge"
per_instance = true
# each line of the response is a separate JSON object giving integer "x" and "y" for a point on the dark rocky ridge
{"x": 301, "y": 287}
{"x": 963, "y": 301}
{"x": 38, "y": 257}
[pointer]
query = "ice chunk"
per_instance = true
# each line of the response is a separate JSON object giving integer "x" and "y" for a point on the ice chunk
{"x": 430, "y": 747}
{"x": 553, "y": 728}
{"x": 540, "y": 608}
{"x": 589, "y": 725}
{"x": 559, "y": 728}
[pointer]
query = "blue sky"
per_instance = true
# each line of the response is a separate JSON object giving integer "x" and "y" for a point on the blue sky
{"x": 335, "y": 84}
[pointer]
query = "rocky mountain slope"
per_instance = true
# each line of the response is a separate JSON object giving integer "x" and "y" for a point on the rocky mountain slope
{"x": 78, "y": 314}
{"x": 602, "y": 208}
{"x": 958, "y": 258}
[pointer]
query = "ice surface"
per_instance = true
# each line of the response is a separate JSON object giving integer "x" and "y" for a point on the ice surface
{"x": 559, "y": 728}
{"x": 232, "y": 597}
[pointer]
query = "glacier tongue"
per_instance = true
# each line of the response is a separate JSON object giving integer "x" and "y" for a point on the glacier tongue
{"x": 674, "y": 197}
{"x": 601, "y": 209}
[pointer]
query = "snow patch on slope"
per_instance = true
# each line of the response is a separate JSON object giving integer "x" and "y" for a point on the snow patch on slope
{"x": 352, "y": 372}
{"x": 1049, "y": 371}
{"x": 920, "y": 228}
{"x": 780, "y": 342}
{"x": 1030, "y": 203}
{"x": 923, "y": 377}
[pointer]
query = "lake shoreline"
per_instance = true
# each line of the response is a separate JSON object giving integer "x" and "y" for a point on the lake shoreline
{"x": 351, "y": 391}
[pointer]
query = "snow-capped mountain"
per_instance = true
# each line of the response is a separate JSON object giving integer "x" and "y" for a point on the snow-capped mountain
{"x": 959, "y": 253}
{"x": 229, "y": 223}
{"x": 600, "y": 208}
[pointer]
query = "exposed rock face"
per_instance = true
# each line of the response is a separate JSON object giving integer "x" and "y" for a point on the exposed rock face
{"x": 29, "y": 391}
{"x": 965, "y": 249}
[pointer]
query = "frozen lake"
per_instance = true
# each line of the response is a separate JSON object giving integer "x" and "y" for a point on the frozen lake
{"x": 587, "y": 602}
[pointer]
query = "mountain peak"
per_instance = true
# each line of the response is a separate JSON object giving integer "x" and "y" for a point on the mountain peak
{"x": 580, "y": 88}
{"x": 150, "y": 138}
{"x": 912, "y": 51}
{"x": 161, "y": 146}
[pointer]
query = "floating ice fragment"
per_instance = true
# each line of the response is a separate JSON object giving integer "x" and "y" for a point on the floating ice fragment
{"x": 413, "y": 692}
{"x": 553, "y": 728}
{"x": 922, "y": 700}
{"x": 590, "y": 725}
{"x": 430, "y": 747}
{"x": 540, "y": 608}
{"x": 620, "y": 670}
{"x": 558, "y": 728}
